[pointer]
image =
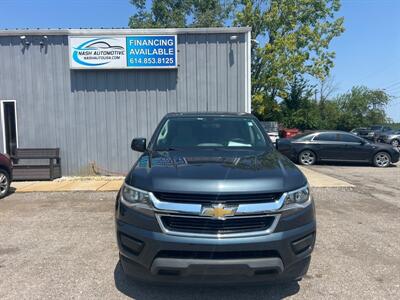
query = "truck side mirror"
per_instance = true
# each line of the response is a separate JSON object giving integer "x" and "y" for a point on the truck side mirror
{"x": 138, "y": 144}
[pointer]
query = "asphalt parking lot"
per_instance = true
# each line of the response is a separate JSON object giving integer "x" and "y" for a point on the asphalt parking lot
{"x": 62, "y": 245}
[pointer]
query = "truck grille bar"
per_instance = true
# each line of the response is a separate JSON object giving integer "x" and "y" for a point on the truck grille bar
{"x": 196, "y": 226}
{"x": 217, "y": 198}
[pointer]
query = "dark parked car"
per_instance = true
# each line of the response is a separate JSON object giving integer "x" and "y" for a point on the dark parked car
{"x": 372, "y": 133}
{"x": 210, "y": 200}
{"x": 357, "y": 131}
{"x": 308, "y": 149}
{"x": 391, "y": 137}
{"x": 5, "y": 174}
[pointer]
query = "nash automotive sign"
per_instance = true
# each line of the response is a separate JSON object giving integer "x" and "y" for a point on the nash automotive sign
{"x": 123, "y": 52}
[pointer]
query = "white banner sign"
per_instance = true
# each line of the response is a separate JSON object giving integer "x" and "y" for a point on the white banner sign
{"x": 123, "y": 52}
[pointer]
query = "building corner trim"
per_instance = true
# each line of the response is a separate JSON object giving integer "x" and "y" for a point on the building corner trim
{"x": 248, "y": 73}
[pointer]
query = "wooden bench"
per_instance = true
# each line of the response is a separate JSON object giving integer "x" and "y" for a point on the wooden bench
{"x": 31, "y": 164}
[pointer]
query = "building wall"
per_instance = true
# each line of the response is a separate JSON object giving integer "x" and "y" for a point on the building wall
{"x": 92, "y": 115}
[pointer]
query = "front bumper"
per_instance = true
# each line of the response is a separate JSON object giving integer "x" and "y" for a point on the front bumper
{"x": 154, "y": 256}
{"x": 395, "y": 156}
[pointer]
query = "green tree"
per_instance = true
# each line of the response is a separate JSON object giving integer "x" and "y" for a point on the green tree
{"x": 298, "y": 108}
{"x": 329, "y": 114}
{"x": 362, "y": 107}
{"x": 211, "y": 13}
{"x": 181, "y": 13}
{"x": 295, "y": 37}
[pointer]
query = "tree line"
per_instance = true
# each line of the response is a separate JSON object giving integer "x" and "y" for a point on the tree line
{"x": 290, "y": 49}
{"x": 304, "y": 106}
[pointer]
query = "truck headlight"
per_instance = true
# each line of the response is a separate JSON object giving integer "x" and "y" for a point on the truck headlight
{"x": 134, "y": 197}
{"x": 299, "y": 198}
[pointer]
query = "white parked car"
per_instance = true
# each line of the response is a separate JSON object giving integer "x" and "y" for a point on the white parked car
{"x": 272, "y": 130}
{"x": 274, "y": 136}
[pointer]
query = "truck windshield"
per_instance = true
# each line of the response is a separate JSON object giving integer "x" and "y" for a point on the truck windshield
{"x": 196, "y": 132}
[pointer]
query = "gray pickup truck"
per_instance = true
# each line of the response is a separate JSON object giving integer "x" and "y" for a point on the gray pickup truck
{"x": 391, "y": 137}
{"x": 372, "y": 133}
{"x": 210, "y": 201}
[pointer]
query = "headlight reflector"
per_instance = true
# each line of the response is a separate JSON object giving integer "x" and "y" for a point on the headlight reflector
{"x": 135, "y": 197}
{"x": 298, "y": 198}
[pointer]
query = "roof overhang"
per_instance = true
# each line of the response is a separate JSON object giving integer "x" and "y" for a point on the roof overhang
{"x": 149, "y": 31}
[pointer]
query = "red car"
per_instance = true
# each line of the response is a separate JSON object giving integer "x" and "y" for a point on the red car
{"x": 289, "y": 132}
{"x": 5, "y": 174}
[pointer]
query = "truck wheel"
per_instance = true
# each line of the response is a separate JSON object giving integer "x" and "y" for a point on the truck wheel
{"x": 307, "y": 158}
{"x": 4, "y": 184}
{"x": 382, "y": 160}
{"x": 395, "y": 143}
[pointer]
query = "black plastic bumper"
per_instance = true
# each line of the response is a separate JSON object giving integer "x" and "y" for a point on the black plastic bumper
{"x": 158, "y": 257}
{"x": 395, "y": 157}
{"x": 209, "y": 274}
{"x": 186, "y": 267}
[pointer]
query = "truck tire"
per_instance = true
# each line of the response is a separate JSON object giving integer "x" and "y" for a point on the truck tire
{"x": 395, "y": 143}
{"x": 382, "y": 159}
{"x": 4, "y": 183}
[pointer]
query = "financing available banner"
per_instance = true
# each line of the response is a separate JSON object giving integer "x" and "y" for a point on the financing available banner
{"x": 123, "y": 52}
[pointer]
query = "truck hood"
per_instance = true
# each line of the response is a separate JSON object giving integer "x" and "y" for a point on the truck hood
{"x": 215, "y": 171}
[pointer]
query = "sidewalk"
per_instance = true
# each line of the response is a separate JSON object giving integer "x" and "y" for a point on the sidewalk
{"x": 69, "y": 185}
{"x": 112, "y": 184}
{"x": 319, "y": 180}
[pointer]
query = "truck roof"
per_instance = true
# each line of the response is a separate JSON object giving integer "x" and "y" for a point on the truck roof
{"x": 206, "y": 114}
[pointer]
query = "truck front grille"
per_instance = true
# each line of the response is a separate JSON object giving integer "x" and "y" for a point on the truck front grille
{"x": 205, "y": 225}
{"x": 217, "y": 198}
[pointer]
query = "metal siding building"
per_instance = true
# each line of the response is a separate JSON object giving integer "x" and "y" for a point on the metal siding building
{"x": 92, "y": 115}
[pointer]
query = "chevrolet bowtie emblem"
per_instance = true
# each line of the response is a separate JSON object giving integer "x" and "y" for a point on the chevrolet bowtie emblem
{"x": 219, "y": 211}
